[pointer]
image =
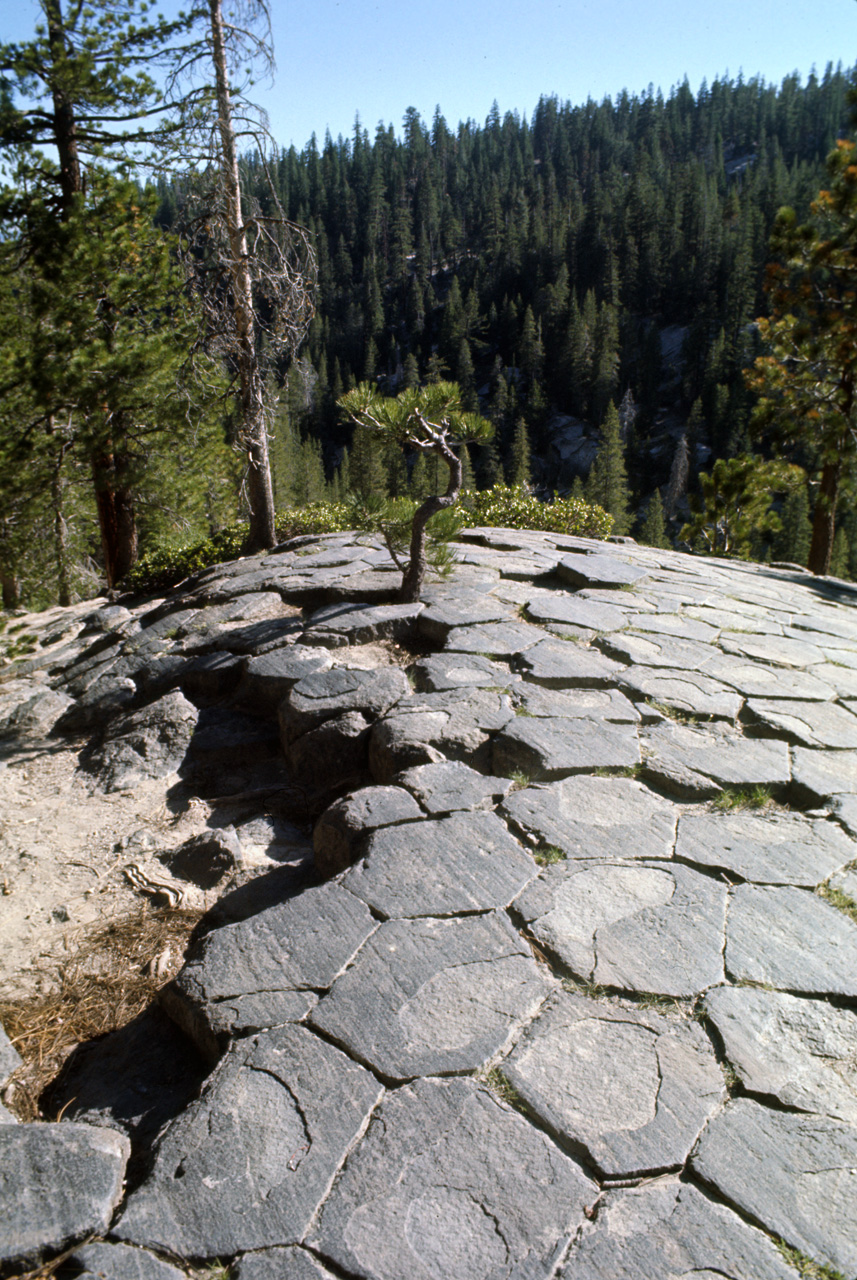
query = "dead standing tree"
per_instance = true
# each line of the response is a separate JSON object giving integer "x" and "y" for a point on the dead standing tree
{"x": 253, "y": 271}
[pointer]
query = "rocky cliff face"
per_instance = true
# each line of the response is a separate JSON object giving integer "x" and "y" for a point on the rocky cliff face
{"x": 530, "y": 945}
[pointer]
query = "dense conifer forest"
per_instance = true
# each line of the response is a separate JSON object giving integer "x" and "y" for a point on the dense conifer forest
{"x": 613, "y": 251}
{"x": 591, "y": 278}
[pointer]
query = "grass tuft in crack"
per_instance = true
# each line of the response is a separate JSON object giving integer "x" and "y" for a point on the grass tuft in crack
{"x": 547, "y": 854}
{"x": 840, "y": 900}
{"x": 733, "y": 798}
{"x": 494, "y": 1080}
{"x": 805, "y": 1266}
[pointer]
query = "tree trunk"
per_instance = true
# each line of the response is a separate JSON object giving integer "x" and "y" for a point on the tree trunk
{"x": 9, "y": 587}
{"x": 253, "y": 436}
{"x": 412, "y": 579}
{"x": 65, "y": 127}
{"x": 824, "y": 518}
{"x": 60, "y": 536}
{"x": 116, "y": 516}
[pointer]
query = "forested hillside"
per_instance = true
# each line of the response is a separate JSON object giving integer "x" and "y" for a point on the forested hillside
{"x": 590, "y": 278}
{"x": 611, "y": 251}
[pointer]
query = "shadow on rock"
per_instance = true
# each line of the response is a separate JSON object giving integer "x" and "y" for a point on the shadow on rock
{"x": 135, "y": 1079}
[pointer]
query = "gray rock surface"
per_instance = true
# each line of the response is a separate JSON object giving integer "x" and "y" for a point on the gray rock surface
{"x": 327, "y": 694}
{"x": 58, "y": 1183}
{"x": 290, "y": 1263}
{"x": 334, "y": 753}
{"x": 265, "y": 970}
{"x": 820, "y": 775}
{"x": 344, "y": 825}
{"x": 246, "y": 1166}
{"x": 595, "y": 817}
{"x": 799, "y": 1051}
{"x": 149, "y": 743}
{"x": 486, "y": 926}
{"x": 770, "y": 848}
{"x": 410, "y": 1208}
{"x": 765, "y": 941}
{"x": 567, "y": 608}
{"x": 813, "y": 724}
{"x": 443, "y": 671}
{"x": 688, "y": 691}
{"x": 123, "y": 1262}
{"x": 10, "y": 1059}
{"x": 671, "y": 1229}
{"x": 267, "y": 678}
{"x": 447, "y": 787}
{"x": 561, "y": 664}
{"x": 552, "y": 747}
{"x": 467, "y": 862}
{"x": 585, "y": 704}
{"x": 631, "y": 1087}
{"x": 205, "y": 859}
{"x": 494, "y": 639}
{"x": 644, "y": 927}
{"x": 695, "y": 762}
{"x": 433, "y": 997}
{"x": 599, "y": 571}
{"x": 793, "y": 1173}
{"x": 340, "y": 624}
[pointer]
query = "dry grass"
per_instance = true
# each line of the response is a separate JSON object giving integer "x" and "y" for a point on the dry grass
{"x": 112, "y": 976}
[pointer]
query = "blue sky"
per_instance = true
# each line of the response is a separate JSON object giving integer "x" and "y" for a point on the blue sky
{"x": 336, "y": 58}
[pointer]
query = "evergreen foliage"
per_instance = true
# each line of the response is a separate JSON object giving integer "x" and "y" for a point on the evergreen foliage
{"x": 607, "y": 483}
{"x": 653, "y": 528}
{"x": 601, "y": 254}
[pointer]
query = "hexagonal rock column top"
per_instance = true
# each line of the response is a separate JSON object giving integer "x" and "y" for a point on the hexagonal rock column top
{"x": 247, "y": 1164}
{"x": 771, "y": 848}
{"x": 697, "y": 762}
{"x": 57, "y": 1184}
{"x": 800, "y": 1051}
{"x": 593, "y": 817}
{"x": 265, "y": 971}
{"x": 464, "y": 863}
{"x": 451, "y": 786}
{"x": 823, "y": 774}
{"x": 685, "y": 690}
{"x": 570, "y": 609}
{"x": 630, "y": 1086}
{"x": 643, "y": 927}
{"x": 344, "y": 825}
{"x": 793, "y": 1173}
{"x": 813, "y": 724}
{"x": 549, "y": 748}
{"x": 448, "y": 1182}
{"x": 290, "y": 1263}
{"x": 429, "y": 997}
{"x": 562, "y": 664}
{"x": 599, "y": 571}
{"x": 791, "y": 939}
{"x": 326, "y": 694}
{"x": 670, "y": 1228}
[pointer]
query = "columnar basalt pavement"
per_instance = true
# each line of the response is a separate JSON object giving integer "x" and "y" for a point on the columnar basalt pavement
{"x": 561, "y": 983}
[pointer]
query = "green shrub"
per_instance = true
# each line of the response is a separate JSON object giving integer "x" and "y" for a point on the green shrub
{"x": 505, "y": 507}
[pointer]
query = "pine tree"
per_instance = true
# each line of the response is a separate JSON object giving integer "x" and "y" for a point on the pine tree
{"x": 519, "y": 458}
{"x": 607, "y": 483}
{"x": 653, "y": 530}
{"x": 791, "y": 544}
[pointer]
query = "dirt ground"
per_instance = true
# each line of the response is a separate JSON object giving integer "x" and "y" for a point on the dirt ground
{"x": 62, "y": 860}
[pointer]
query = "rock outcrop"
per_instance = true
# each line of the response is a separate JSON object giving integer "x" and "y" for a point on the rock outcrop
{"x": 565, "y": 984}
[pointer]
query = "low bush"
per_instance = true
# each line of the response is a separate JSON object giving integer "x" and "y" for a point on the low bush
{"x": 502, "y": 507}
